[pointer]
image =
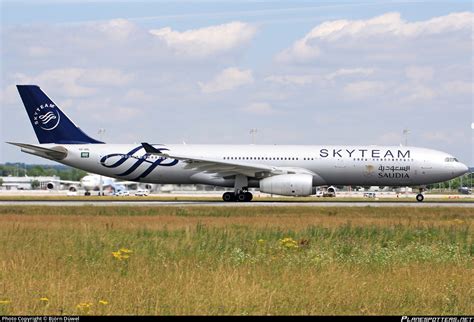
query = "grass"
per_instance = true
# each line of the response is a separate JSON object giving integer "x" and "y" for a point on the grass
{"x": 238, "y": 261}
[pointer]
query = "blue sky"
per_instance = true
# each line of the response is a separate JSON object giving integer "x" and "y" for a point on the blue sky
{"x": 302, "y": 72}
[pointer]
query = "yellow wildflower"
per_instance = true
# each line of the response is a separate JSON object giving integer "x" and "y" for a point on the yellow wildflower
{"x": 288, "y": 243}
{"x": 5, "y": 301}
{"x": 103, "y": 302}
{"x": 84, "y": 306}
{"x": 261, "y": 241}
{"x": 122, "y": 253}
{"x": 117, "y": 255}
{"x": 44, "y": 299}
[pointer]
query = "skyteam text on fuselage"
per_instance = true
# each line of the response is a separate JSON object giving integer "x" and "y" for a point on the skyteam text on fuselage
{"x": 290, "y": 170}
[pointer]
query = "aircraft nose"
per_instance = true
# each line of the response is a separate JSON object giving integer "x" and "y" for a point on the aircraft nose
{"x": 462, "y": 169}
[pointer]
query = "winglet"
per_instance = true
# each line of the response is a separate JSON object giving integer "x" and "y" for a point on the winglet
{"x": 152, "y": 150}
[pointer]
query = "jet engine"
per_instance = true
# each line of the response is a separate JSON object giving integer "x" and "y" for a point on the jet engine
{"x": 52, "y": 186}
{"x": 288, "y": 185}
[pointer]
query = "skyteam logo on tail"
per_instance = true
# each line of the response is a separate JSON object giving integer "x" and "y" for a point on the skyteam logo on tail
{"x": 46, "y": 117}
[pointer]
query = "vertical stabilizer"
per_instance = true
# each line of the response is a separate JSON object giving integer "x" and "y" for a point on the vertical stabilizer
{"x": 51, "y": 125}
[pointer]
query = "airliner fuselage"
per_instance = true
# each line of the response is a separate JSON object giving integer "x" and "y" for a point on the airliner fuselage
{"x": 333, "y": 165}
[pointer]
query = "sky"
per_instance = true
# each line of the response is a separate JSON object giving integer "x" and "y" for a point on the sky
{"x": 300, "y": 72}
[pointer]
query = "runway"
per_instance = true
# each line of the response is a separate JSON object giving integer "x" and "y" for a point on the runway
{"x": 161, "y": 203}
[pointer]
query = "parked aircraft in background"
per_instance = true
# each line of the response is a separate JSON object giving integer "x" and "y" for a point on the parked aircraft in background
{"x": 290, "y": 170}
{"x": 92, "y": 182}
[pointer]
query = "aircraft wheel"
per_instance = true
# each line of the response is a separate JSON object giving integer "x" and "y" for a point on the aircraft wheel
{"x": 419, "y": 197}
{"x": 248, "y": 196}
{"x": 87, "y": 193}
{"x": 228, "y": 196}
{"x": 242, "y": 196}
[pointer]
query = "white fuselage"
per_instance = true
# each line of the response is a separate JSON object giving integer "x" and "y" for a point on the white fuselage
{"x": 333, "y": 165}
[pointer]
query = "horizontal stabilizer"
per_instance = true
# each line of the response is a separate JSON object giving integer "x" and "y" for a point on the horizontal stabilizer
{"x": 54, "y": 153}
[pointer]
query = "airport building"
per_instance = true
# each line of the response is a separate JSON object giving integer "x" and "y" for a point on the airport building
{"x": 26, "y": 183}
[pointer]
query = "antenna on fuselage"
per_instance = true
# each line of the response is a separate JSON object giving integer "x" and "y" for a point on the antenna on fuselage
{"x": 405, "y": 134}
{"x": 253, "y": 133}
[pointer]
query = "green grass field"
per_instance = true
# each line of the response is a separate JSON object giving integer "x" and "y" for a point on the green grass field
{"x": 428, "y": 198}
{"x": 236, "y": 260}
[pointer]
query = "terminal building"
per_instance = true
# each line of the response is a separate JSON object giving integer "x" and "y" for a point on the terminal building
{"x": 26, "y": 183}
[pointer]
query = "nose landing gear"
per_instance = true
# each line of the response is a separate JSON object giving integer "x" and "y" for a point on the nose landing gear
{"x": 420, "y": 197}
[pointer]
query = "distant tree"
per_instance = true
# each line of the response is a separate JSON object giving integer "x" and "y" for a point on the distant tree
{"x": 71, "y": 174}
{"x": 36, "y": 171}
{"x": 50, "y": 172}
{"x": 35, "y": 184}
{"x": 1, "y": 182}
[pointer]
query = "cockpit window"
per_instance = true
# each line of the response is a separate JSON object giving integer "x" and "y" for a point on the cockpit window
{"x": 448, "y": 159}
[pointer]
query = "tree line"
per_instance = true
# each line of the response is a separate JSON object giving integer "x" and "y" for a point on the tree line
{"x": 39, "y": 170}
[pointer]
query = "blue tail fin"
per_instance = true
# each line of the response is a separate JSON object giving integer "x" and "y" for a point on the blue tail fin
{"x": 49, "y": 122}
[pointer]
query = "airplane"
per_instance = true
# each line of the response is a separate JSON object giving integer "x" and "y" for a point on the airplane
{"x": 92, "y": 182}
{"x": 288, "y": 170}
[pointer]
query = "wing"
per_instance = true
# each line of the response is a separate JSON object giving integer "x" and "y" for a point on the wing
{"x": 224, "y": 168}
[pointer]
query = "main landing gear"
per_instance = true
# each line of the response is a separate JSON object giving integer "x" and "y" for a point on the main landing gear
{"x": 242, "y": 196}
{"x": 241, "y": 192}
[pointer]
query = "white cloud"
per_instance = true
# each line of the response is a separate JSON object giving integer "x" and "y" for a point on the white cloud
{"x": 117, "y": 29}
{"x": 419, "y": 93}
{"x": 290, "y": 79}
{"x": 63, "y": 79}
{"x": 364, "y": 89}
{"x": 105, "y": 110}
{"x": 443, "y": 136}
{"x": 389, "y": 138}
{"x": 138, "y": 96}
{"x": 458, "y": 87}
{"x": 259, "y": 108}
{"x": 228, "y": 79}
{"x": 350, "y": 71}
{"x": 70, "y": 80}
{"x": 105, "y": 77}
{"x": 39, "y": 51}
{"x": 419, "y": 73}
{"x": 321, "y": 78}
{"x": 387, "y": 27}
{"x": 206, "y": 41}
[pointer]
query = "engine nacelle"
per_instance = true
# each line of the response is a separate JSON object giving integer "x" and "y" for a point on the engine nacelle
{"x": 50, "y": 185}
{"x": 288, "y": 185}
{"x": 72, "y": 189}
